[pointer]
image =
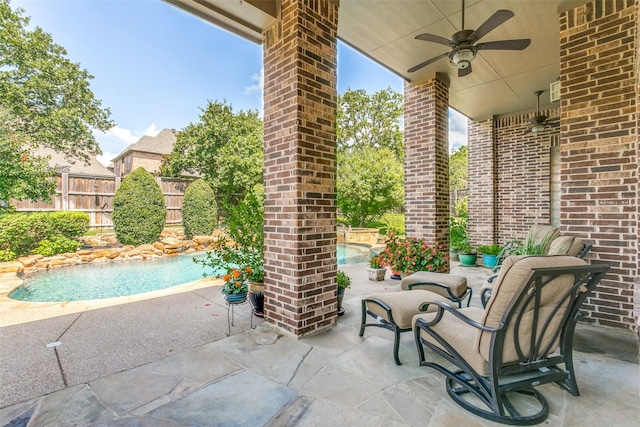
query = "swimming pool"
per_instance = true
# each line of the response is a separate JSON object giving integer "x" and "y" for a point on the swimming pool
{"x": 131, "y": 277}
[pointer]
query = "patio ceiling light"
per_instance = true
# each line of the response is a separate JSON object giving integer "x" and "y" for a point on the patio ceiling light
{"x": 462, "y": 57}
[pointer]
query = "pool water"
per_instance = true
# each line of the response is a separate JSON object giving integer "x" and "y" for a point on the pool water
{"x": 131, "y": 277}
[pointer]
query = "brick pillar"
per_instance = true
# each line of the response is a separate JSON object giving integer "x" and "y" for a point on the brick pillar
{"x": 426, "y": 160}
{"x": 482, "y": 182}
{"x": 598, "y": 148}
{"x": 300, "y": 98}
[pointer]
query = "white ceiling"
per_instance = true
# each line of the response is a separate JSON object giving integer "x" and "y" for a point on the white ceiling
{"x": 502, "y": 82}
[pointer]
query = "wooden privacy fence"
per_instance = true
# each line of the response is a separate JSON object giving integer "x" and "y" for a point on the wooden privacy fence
{"x": 94, "y": 195}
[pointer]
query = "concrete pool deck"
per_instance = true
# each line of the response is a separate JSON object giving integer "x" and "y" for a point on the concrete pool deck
{"x": 165, "y": 360}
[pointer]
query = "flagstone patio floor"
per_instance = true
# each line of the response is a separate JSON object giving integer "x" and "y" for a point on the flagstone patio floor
{"x": 166, "y": 361}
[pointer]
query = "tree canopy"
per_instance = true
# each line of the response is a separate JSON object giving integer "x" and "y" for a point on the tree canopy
{"x": 225, "y": 147}
{"x": 370, "y": 121}
{"x": 458, "y": 169}
{"x": 45, "y": 100}
{"x": 370, "y": 183}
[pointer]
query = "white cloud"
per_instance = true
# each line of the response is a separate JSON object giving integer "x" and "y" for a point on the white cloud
{"x": 152, "y": 130}
{"x": 105, "y": 157}
{"x": 122, "y": 134}
{"x": 457, "y": 130}
{"x": 259, "y": 85}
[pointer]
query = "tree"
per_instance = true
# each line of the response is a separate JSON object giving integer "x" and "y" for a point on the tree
{"x": 458, "y": 169}
{"x": 226, "y": 148}
{"x": 139, "y": 210}
{"x": 45, "y": 100}
{"x": 370, "y": 183}
{"x": 370, "y": 121}
{"x": 199, "y": 213}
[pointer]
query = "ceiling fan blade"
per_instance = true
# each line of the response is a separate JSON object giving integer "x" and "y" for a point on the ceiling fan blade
{"x": 517, "y": 44}
{"x": 552, "y": 124}
{"x": 528, "y": 130}
{"x": 553, "y": 119}
{"x": 433, "y": 38}
{"x": 427, "y": 62}
{"x": 490, "y": 24}
{"x": 464, "y": 71}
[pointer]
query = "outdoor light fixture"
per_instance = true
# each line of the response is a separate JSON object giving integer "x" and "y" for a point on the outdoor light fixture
{"x": 537, "y": 128}
{"x": 462, "y": 57}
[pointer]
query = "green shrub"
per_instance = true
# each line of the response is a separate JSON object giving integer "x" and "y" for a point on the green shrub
{"x": 458, "y": 232}
{"x": 139, "y": 211}
{"x": 461, "y": 207}
{"x": 56, "y": 245}
{"x": 21, "y": 233}
{"x": 199, "y": 213}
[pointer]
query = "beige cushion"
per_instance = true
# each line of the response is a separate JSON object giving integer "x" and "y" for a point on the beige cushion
{"x": 458, "y": 334}
{"x": 513, "y": 275}
{"x": 538, "y": 233}
{"x": 567, "y": 245}
{"x": 404, "y": 305}
{"x": 457, "y": 284}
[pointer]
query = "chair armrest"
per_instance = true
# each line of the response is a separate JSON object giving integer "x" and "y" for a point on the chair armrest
{"x": 442, "y": 307}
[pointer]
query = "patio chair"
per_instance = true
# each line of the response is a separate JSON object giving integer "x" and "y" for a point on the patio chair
{"x": 562, "y": 245}
{"x": 502, "y": 353}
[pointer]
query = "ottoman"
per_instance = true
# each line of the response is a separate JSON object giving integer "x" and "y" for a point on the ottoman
{"x": 449, "y": 286}
{"x": 395, "y": 310}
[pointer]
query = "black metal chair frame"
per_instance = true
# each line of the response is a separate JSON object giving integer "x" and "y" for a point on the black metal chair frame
{"x": 534, "y": 367}
{"x": 383, "y": 323}
{"x": 468, "y": 293}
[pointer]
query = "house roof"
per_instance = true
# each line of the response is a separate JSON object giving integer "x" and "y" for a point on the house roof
{"x": 162, "y": 143}
{"x": 74, "y": 166}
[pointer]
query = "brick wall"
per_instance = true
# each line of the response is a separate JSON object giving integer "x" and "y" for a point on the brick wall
{"x": 524, "y": 176}
{"x": 599, "y": 149}
{"x": 300, "y": 99}
{"x": 482, "y": 184}
{"x": 426, "y": 160}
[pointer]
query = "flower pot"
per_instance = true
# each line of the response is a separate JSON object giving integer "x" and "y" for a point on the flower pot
{"x": 235, "y": 298}
{"x": 468, "y": 260}
{"x": 340, "y": 297}
{"x": 453, "y": 255}
{"x": 376, "y": 274}
{"x": 256, "y": 297}
{"x": 489, "y": 260}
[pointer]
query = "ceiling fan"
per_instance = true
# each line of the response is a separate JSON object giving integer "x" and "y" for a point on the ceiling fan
{"x": 540, "y": 122}
{"x": 462, "y": 43}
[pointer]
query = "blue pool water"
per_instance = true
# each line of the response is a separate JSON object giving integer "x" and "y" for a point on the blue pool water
{"x": 131, "y": 277}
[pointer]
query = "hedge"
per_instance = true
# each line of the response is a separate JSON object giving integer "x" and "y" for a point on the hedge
{"x": 199, "y": 213}
{"x": 139, "y": 211}
{"x": 22, "y": 233}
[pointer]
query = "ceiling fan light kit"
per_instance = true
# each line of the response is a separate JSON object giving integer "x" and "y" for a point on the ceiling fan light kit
{"x": 540, "y": 122}
{"x": 462, "y": 43}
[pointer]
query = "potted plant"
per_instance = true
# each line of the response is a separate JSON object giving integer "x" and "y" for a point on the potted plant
{"x": 490, "y": 254}
{"x": 343, "y": 281}
{"x": 243, "y": 248}
{"x": 467, "y": 254}
{"x": 235, "y": 285}
{"x": 406, "y": 256}
{"x": 457, "y": 235}
{"x": 376, "y": 271}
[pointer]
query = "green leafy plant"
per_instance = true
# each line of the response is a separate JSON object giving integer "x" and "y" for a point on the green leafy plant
{"x": 466, "y": 248}
{"x": 56, "y": 245}
{"x": 490, "y": 249}
{"x": 457, "y": 232}
{"x": 199, "y": 213}
{"x": 21, "y": 233}
{"x": 409, "y": 255}
{"x": 139, "y": 210}
{"x": 235, "y": 281}
{"x": 244, "y": 245}
{"x": 342, "y": 280}
{"x": 375, "y": 262}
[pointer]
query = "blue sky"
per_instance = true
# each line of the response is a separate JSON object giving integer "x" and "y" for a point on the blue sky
{"x": 155, "y": 66}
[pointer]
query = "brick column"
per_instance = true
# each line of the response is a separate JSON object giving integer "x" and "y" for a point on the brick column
{"x": 426, "y": 160}
{"x": 300, "y": 98}
{"x": 482, "y": 182}
{"x": 598, "y": 148}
